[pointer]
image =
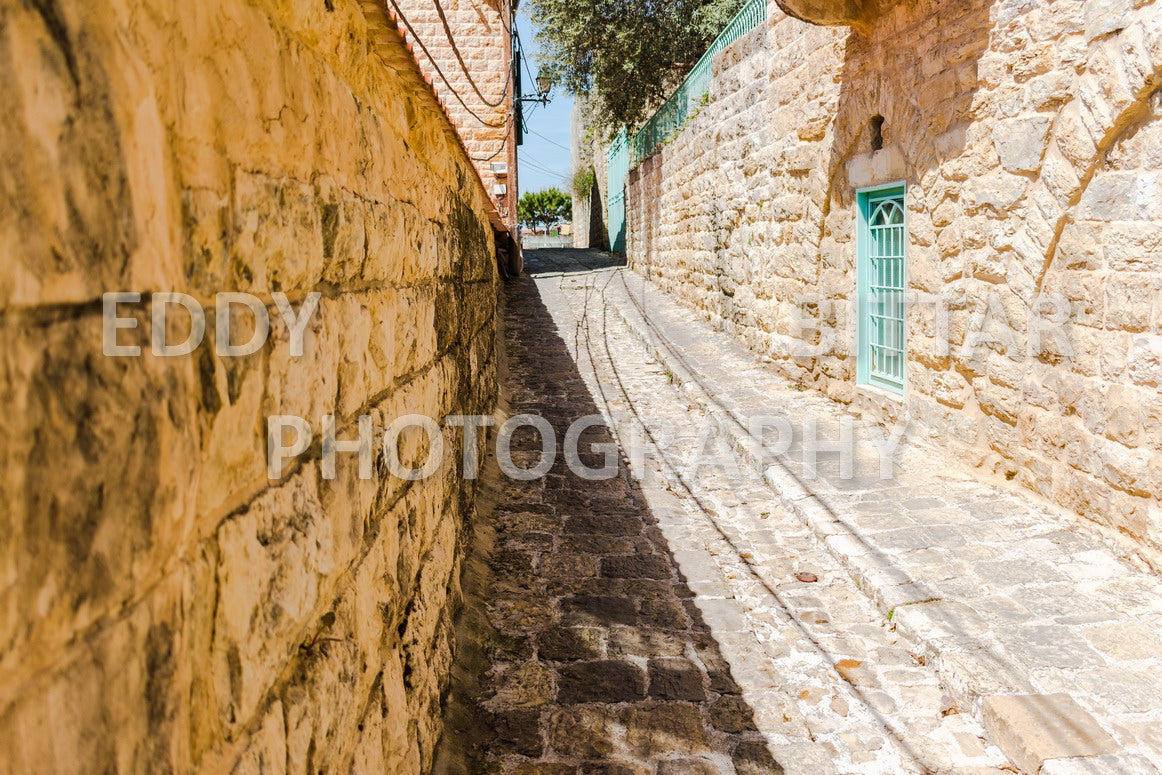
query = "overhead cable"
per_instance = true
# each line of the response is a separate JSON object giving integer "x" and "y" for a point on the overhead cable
{"x": 440, "y": 72}
{"x": 464, "y": 67}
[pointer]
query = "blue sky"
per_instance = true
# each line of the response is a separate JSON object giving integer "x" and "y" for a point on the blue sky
{"x": 543, "y": 159}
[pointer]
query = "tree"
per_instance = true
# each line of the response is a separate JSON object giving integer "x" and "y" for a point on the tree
{"x": 626, "y": 54}
{"x": 543, "y": 207}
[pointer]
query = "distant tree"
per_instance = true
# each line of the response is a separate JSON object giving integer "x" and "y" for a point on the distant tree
{"x": 626, "y": 54}
{"x": 544, "y": 208}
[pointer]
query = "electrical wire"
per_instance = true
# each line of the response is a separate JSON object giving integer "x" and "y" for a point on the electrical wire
{"x": 550, "y": 140}
{"x": 464, "y": 67}
{"x": 524, "y": 60}
{"x": 538, "y": 160}
{"x": 503, "y": 144}
{"x": 443, "y": 77}
{"x": 542, "y": 168}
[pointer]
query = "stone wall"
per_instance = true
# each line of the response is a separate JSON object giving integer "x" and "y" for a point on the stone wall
{"x": 1028, "y": 134}
{"x": 587, "y": 152}
{"x": 164, "y": 605}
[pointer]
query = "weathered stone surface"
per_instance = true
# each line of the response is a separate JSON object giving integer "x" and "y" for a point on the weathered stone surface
{"x": 1112, "y": 764}
{"x": 600, "y": 672}
{"x": 1026, "y": 135}
{"x": 167, "y": 605}
{"x": 569, "y": 643}
{"x": 1020, "y": 142}
{"x": 661, "y": 728}
{"x": 824, "y": 11}
{"x": 738, "y": 654}
{"x": 753, "y": 757}
{"x": 518, "y": 731}
{"x": 601, "y": 681}
{"x": 586, "y": 733}
{"x": 636, "y": 567}
{"x": 526, "y": 685}
{"x": 675, "y": 679}
{"x": 1031, "y": 728}
{"x": 994, "y": 621}
{"x": 731, "y": 714}
{"x": 1125, "y": 641}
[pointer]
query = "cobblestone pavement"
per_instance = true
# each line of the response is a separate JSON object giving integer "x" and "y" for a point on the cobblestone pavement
{"x": 673, "y": 619}
{"x": 1002, "y": 595}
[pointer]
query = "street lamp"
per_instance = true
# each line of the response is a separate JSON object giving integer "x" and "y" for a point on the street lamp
{"x": 544, "y": 86}
{"x": 544, "y": 83}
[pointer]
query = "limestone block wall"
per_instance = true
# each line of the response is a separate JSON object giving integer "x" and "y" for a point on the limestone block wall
{"x": 165, "y": 606}
{"x": 1028, "y": 135}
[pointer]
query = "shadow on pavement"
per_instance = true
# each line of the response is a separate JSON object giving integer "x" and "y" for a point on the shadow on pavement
{"x": 580, "y": 649}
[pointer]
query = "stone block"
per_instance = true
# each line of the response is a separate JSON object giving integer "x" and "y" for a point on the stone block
{"x": 1032, "y": 728}
{"x": 637, "y": 567}
{"x": 883, "y": 166}
{"x": 586, "y": 732}
{"x": 1103, "y": 17}
{"x": 1020, "y": 142}
{"x": 526, "y": 686}
{"x": 1110, "y": 764}
{"x": 664, "y": 728}
{"x": 940, "y": 619}
{"x": 601, "y": 681}
{"x": 675, "y": 679}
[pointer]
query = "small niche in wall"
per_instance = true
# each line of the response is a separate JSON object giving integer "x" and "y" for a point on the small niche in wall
{"x": 876, "y": 130}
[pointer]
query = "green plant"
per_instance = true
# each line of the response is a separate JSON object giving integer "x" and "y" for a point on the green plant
{"x": 583, "y": 181}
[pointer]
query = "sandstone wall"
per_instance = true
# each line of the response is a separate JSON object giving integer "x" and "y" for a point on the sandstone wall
{"x": 159, "y": 594}
{"x": 1028, "y": 134}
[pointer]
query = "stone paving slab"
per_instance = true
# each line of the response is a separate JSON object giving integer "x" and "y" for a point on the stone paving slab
{"x": 582, "y": 651}
{"x": 830, "y": 685}
{"x": 1034, "y": 728}
{"x": 1004, "y": 595}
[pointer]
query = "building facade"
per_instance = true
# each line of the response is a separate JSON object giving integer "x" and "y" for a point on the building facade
{"x": 465, "y": 49}
{"x": 945, "y": 213}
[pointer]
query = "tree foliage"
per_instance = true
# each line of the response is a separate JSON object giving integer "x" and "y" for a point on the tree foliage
{"x": 543, "y": 208}
{"x": 626, "y": 54}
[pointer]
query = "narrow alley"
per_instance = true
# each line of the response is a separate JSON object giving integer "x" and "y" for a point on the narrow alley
{"x": 483, "y": 387}
{"x": 672, "y": 620}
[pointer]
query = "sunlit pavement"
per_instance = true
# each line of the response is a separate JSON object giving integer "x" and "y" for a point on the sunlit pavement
{"x": 718, "y": 620}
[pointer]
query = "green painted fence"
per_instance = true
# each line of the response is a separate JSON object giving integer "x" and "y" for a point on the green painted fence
{"x": 617, "y": 167}
{"x": 670, "y": 117}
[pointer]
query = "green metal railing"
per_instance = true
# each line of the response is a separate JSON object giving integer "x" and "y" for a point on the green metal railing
{"x": 674, "y": 112}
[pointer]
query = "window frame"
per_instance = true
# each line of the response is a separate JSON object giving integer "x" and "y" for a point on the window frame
{"x": 864, "y": 199}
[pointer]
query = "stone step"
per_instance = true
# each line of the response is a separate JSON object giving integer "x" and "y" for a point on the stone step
{"x": 1008, "y": 597}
